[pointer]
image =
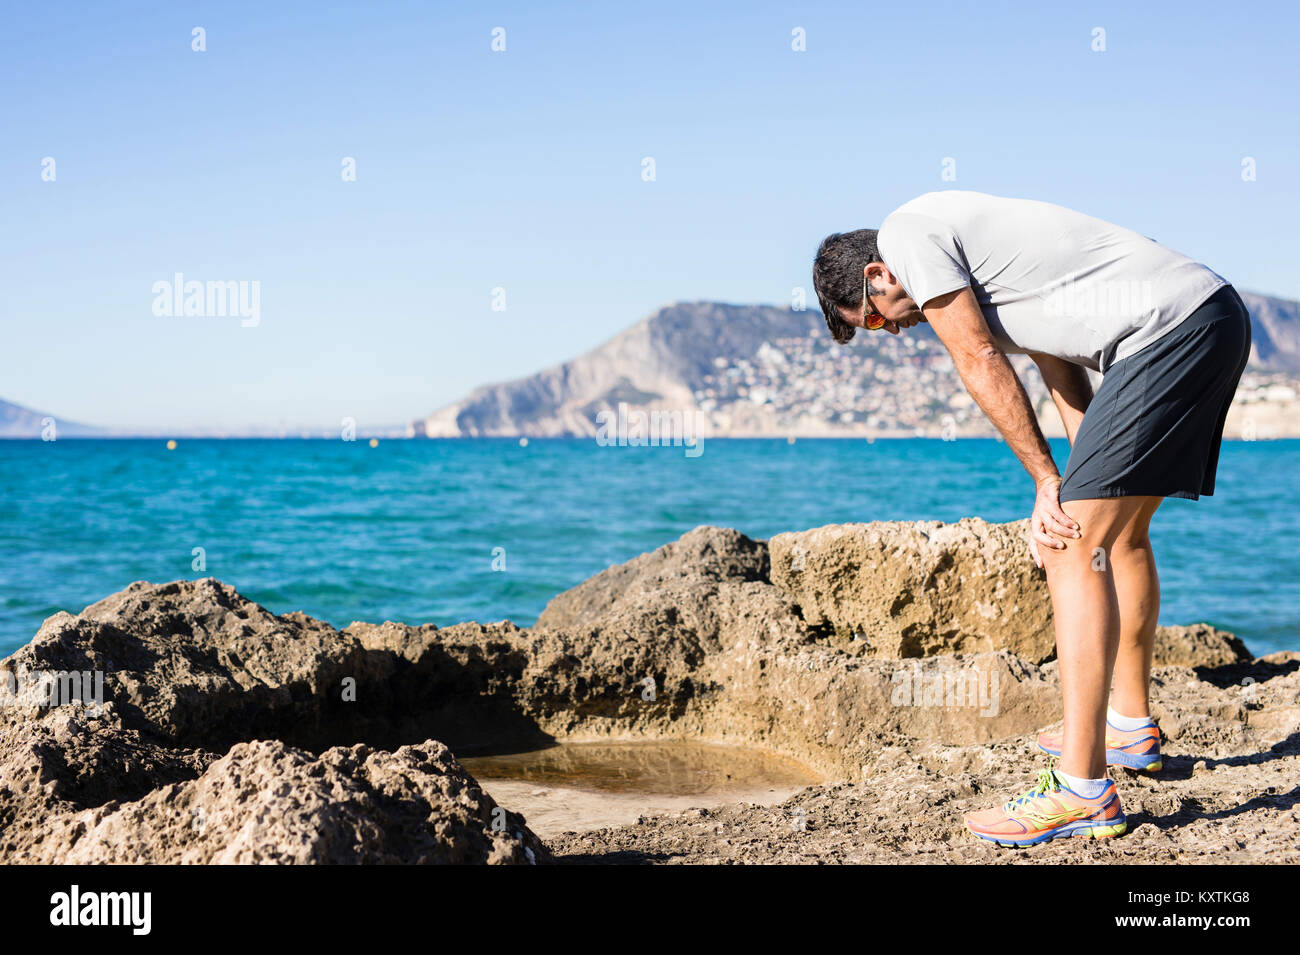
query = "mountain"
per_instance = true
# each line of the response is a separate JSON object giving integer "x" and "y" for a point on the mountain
{"x": 1275, "y": 327}
{"x": 19, "y": 422}
{"x": 659, "y": 362}
{"x": 759, "y": 370}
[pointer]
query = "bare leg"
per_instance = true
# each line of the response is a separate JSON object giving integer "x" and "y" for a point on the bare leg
{"x": 1137, "y": 588}
{"x": 1081, "y": 579}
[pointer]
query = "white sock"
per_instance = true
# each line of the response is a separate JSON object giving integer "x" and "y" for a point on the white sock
{"x": 1122, "y": 722}
{"x": 1087, "y": 788}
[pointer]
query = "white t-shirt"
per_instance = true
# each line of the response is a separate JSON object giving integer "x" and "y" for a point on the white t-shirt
{"x": 1048, "y": 279}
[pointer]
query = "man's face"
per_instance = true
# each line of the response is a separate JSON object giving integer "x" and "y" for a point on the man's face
{"x": 886, "y": 298}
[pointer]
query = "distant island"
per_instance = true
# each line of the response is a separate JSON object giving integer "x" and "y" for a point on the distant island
{"x": 19, "y": 422}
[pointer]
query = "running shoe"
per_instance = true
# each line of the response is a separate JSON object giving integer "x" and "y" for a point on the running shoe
{"x": 1137, "y": 749}
{"x": 1050, "y": 810}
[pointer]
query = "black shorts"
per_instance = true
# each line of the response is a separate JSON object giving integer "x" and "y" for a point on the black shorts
{"x": 1155, "y": 425}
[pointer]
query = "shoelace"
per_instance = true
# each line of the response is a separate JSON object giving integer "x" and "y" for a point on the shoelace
{"x": 1047, "y": 782}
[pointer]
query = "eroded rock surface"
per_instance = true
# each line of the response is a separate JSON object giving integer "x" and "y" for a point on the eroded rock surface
{"x": 1199, "y": 645}
{"x": 918, "y": 589}
{"x": 195, "y": 663}
{"x": 910, "y": 662}
{"x": 192, "y": 670}
{"x": 266, "y": 802}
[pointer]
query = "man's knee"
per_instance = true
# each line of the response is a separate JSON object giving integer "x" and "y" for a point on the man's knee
{"x": 1134, "y": 539}
{"x": 1087, "y": 549}
{"x": 1100, "y": 524}
{"x": 1132, "y": 545}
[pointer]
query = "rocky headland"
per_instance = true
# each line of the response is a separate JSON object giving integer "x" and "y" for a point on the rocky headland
{"x": 732, "y": 371}
{"x": 909, "y": 664}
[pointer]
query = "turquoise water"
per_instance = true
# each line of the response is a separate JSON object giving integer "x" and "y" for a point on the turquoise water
{"x": 408, "y": 530}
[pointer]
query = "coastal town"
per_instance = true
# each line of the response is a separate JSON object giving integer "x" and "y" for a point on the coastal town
{"x": 905, "y": 385}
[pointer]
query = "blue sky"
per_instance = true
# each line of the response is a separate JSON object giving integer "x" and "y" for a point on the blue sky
{"x": 522, "y": 169}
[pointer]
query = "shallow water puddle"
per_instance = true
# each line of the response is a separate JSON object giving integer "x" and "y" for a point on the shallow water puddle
{"x": 582, "y": 786}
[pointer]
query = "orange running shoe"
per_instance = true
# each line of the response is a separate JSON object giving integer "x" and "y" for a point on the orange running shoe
{"x": 1049, "y": 811}
{"x": 1137, "y": 749}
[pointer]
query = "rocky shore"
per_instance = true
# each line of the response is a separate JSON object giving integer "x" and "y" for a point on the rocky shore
{"x": 911, "y": 664}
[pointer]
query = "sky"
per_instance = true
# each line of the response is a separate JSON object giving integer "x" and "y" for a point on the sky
{"x": 524, "y": 169}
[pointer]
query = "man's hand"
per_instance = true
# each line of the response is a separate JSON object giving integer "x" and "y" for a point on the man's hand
{"x": 1049, "y": 526}
{"x": 957, "y": 320}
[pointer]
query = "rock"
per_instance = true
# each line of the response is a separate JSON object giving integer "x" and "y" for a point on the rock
{"x": 66, "y": 761}
{"x": 632, "y": 649}
{"x": 909, "y": 659}
{"x": 918, "y": 589}
{"x": 192, "y": 670}
{"x": 1199, "y": 645}
{"x": 833, "y": 712}
{"x": 640, "y": 665}
{"x": 457, "y": 684}
{"x": 703, "y": 555}
{"x": 197, "y": 664}
{"x": 265, "y": 802}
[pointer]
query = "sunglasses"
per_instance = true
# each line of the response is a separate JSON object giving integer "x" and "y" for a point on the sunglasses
{"x": 870, "y": 317}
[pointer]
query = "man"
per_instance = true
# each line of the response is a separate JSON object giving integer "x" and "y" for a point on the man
{"x": 1171, "y": 338}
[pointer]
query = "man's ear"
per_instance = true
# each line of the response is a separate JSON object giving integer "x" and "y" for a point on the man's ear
{"x": 878, "y": 275}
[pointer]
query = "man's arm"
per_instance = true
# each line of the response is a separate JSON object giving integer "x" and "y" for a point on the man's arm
{"x": 1070, "y": 387}
{"x": 957, "y": 320}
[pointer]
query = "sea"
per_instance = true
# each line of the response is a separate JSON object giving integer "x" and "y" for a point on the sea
{"x": 443, "y": 531}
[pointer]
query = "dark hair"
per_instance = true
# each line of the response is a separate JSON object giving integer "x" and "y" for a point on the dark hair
{"x": 837, "y": 276}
